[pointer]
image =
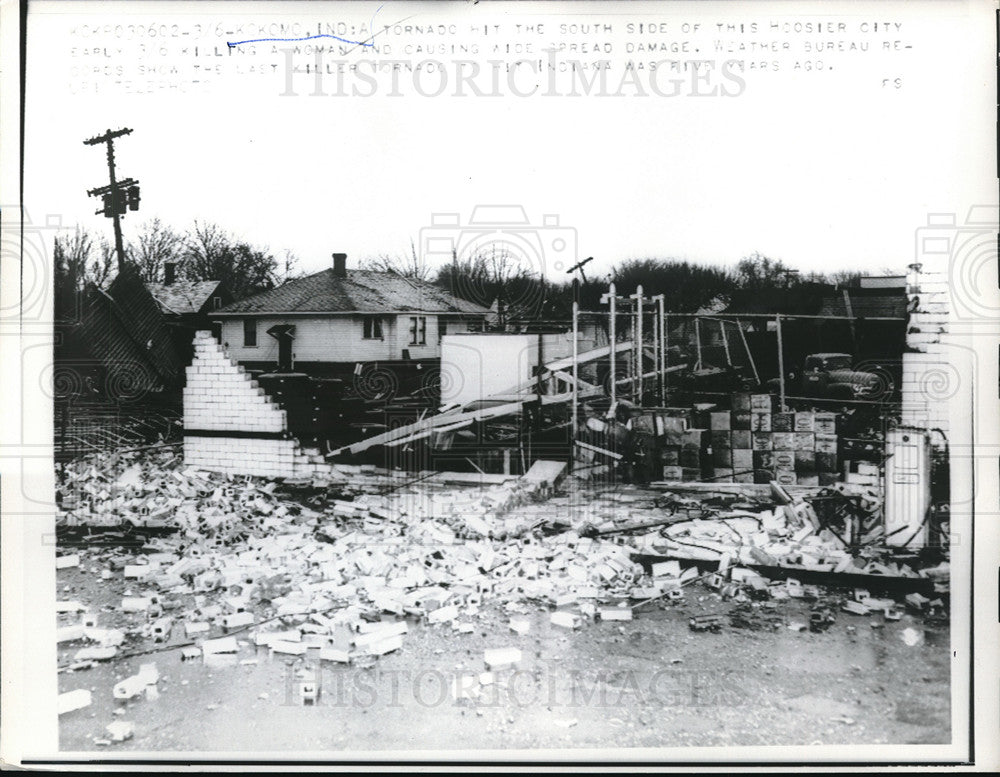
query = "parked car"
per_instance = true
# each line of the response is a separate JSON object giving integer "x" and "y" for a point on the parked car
{"x": 832, "y": 376}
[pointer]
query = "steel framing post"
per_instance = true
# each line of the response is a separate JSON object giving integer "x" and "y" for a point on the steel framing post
{"x": 637, "y": 334}
{"x": 657, "y": 367}
{"x": 781, "y": 364}
{"x": 663, "y": 347}
{"x": 574, "y": 417}
{"x": 612, "y": 298}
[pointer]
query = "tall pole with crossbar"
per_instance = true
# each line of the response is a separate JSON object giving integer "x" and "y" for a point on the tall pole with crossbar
{"x": 118, "y": 195}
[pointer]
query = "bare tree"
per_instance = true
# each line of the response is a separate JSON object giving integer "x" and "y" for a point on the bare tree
{"x": 212, "y": 254}
{"x": 80, "y": 260}
{"x": 409, "y": 266}
{"x": 494, "y": 275}
{"x": 156, "y": 245}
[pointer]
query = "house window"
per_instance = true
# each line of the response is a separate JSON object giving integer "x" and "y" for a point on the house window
{"x": 418, "y": 330}
{"x": 249, "y": 333}
{"x": 373, "y": 328}
{"x": 216, "y": 303}
{"x": 442, "y": 329}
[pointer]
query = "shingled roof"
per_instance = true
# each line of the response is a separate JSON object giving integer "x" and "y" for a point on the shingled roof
{"x": 867, "y": 303}
{"x": 359, "y": 291}
{"x": 181, "y": 297}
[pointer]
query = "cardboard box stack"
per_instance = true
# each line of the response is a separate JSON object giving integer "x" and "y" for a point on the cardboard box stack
{"x": 752, "y": 443}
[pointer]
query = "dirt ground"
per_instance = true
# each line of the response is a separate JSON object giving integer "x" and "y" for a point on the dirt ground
{"x": 649, "y": 682}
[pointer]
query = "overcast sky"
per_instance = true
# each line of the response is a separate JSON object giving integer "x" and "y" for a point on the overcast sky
{"x": 824, "y": 171}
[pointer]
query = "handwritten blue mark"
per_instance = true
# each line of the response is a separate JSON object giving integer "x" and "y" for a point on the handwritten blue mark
{"x": 233, "y": 44}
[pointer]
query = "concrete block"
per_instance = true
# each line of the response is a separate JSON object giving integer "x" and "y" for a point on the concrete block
{"x": 120, "y": 730}
{"x": 95, "y": 654}
{"x": 220, "y": 645}
{"x": 190, "y": 653}
{"x": 567, "y": 620}
{"x": 671, "y": 568}
{"x": 443, "y": 614}
{"x": 237, "y": 620}
{"x": 135, "y": 603}
{"x": 288, "y": 648}
{"x": 160, "y": 629}
{"x": 68, "y": 561}
{"x": 615, "y": 614}
{"x": 335, "y": 655}
{"x": 70, "y": 633}
{"x": 382, "y": 632}
{"x": 385, "y": 645}
{"x": 129, "y": 688}
{"x": 520, "y": 625}
{"x": 70, "y": 701}
{"x": 190, "y": 629}
{"x": 498, "y": 658}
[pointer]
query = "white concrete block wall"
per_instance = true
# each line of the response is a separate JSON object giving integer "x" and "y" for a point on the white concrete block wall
{"x": 930, "y": 380}
{"x": 221, "y": 396}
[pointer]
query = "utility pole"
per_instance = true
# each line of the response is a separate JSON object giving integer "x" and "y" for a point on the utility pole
{"x": 118, "y": 196}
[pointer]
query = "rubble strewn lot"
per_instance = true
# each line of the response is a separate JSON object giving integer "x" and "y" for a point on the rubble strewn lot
{"x": 393, "y": 610}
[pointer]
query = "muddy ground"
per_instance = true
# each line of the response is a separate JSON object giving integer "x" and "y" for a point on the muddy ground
{"x": 650, "y": 682}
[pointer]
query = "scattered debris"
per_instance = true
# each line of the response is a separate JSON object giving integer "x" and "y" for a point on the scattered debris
{"x": 337, "y": 568}
{"x": 120, "y": 730}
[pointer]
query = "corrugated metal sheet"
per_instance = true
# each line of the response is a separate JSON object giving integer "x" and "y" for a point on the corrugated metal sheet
{"x": 361, "y": 291}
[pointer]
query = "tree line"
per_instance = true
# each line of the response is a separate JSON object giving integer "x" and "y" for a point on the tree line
{"x": 204, "y": 252}
{"x": 498, "y": 278}
{"x": 492, "y": 276}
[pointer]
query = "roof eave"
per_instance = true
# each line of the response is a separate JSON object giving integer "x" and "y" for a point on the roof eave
{"x": 245, "y": 313}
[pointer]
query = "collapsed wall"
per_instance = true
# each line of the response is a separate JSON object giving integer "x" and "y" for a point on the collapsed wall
{"x": 231, "y": 425}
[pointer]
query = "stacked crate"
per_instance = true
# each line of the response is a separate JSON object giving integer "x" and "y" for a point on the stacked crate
{"x": 682, "y": 449}
{"x": 754, "y": 444}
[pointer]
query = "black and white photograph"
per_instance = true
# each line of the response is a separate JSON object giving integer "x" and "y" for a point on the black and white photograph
{"x": 495, "y": 383}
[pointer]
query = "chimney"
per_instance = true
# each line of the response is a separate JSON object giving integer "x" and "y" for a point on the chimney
{"x": 169, "y": 272}
{"x": 340, "y": 265}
